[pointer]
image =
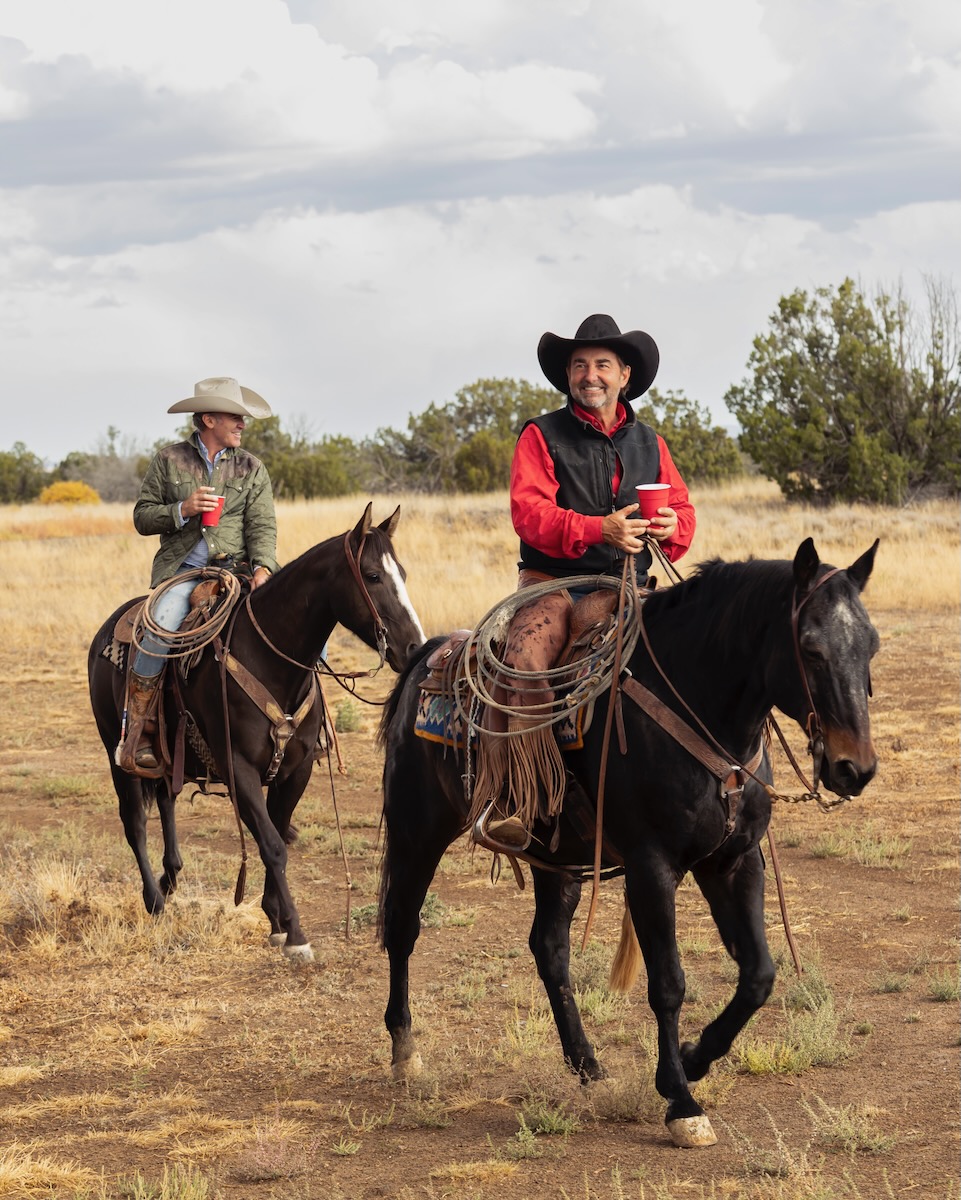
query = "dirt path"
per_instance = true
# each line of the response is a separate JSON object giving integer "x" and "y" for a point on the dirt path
{"x": 131, "y": 1044}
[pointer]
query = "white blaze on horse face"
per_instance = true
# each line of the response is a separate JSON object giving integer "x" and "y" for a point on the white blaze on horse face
{"x": 848, "y": 624}
{"x": 391, "y": 570}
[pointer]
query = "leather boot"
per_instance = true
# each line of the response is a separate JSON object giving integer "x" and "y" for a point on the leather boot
{"x": 137, "y": 751}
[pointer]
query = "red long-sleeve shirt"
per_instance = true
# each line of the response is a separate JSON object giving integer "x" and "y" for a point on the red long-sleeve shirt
{"x": 562, "y": 533}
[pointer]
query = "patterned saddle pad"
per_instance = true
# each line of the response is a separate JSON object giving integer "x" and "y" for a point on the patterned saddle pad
{"x": 436, "y": 721}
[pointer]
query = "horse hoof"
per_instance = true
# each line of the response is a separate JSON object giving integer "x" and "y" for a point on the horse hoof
{"x": 408, "y": 1068}
{"x": 303, "y": 953}
{"x": 688, "y": 1132}
{"x": 277, "y": 939}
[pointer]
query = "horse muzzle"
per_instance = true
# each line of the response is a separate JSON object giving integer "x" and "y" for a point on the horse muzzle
{"x": 398, "y": 659}
{"x": 849, "y": 764}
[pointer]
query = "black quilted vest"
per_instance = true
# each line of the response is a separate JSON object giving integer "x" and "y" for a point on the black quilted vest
{"x": 584, "y": 461}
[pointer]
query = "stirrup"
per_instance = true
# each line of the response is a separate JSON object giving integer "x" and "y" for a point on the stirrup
{"x": 485, "y": 836}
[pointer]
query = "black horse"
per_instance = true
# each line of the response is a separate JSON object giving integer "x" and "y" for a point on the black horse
{"x": 289, "y": 620}
{"x": 726, "y": 641}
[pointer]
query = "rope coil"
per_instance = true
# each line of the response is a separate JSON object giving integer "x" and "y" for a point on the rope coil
{"x": 182, "y": 643}
{"x": 481, "y": 667}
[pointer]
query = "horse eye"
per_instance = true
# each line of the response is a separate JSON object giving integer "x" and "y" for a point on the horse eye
{"x": 372, "y": 577}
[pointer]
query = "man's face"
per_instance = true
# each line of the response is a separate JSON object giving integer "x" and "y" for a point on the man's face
{"x": 596, "y": 376}
{"x": 223, "y": 431}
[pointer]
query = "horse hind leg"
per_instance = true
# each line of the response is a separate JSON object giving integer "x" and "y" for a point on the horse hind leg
{"x": 736, "y": 901}
{"x": 412, "y": 850}
{"x": 173, "y": 862}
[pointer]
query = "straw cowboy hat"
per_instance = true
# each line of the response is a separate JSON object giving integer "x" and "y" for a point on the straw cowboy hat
{"x": 636, "y": 350}
{"x": 223, "y": 395}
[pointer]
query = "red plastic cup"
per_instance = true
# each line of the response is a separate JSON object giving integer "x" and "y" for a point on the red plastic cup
{"x": 651, "y": 497}
{"x": 213, "y": 516}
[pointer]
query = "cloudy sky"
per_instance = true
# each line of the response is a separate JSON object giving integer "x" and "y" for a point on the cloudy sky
{"x": 358, "y": 206}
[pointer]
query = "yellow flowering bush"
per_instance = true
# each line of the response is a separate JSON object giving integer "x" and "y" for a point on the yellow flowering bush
{"x": 68, "y": 491}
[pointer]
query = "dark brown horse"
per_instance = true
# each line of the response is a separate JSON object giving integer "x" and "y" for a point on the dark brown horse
{"x": 278, "y": 639}
{"x": 726, "y": 641}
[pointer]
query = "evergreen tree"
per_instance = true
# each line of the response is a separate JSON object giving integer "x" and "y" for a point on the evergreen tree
{"x": 850, "y": 398}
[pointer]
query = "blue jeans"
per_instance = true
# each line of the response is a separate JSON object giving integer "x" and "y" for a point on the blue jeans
{"x": 168, "y": 613}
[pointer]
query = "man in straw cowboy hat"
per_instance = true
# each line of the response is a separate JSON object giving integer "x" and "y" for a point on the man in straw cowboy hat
{"x": 184, "y": 481}
{"x": 574, "y": 507}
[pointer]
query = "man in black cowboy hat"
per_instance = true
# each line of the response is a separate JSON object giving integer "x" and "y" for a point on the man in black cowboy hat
{"x": 574, "y": 507}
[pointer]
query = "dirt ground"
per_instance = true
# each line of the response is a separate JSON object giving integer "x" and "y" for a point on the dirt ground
{"x": 193, "y": 1042}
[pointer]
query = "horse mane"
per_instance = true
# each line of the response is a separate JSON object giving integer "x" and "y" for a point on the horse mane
{"x": 723, "y": 599}
{"x": 375, "y": 535}
{"x": 392, "y": 703}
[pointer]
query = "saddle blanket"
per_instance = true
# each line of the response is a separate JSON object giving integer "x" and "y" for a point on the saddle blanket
{"x": 435, "y": 721}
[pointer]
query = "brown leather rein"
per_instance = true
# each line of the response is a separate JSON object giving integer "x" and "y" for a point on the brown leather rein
{"x": 729, "y": 773}
{"x": 283, "y": 725}
{"x": 697, "y": 746}
{"x": 380, "y": 629}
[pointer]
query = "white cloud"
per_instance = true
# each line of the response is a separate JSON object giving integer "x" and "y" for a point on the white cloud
{"x": 278, "y": 87}
{"x": 358, "y": 208}
{"x": 357, "y": 320}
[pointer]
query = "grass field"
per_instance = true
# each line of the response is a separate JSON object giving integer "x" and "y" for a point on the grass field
{"x": 183, "y": 1059}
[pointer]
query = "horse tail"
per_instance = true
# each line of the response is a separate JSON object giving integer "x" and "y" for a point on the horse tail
{"x": 150, "y": 790}
{"x": 627, "y": 959}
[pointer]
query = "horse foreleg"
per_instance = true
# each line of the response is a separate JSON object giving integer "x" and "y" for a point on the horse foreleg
{"x": 277, "y": 902}
{"x": 414, "y": 844}
{"x": 651, "y": 890}
{"x": 736, "y": 899}
{"x": 556, "y": 898}
{"x": 173, "y": 863}
{"x": 282, "y": 798}
{"x": 133, "y": 814}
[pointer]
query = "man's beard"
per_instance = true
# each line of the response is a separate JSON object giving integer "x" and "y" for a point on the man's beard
{"x": 594, "y": 400}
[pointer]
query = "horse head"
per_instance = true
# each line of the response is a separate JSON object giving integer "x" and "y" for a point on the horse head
{"x": 834, "y": 643}
{"x": 380, "y": 610}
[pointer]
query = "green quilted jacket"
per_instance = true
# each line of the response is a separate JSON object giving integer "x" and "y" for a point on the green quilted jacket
{"x": 248, "y": 526}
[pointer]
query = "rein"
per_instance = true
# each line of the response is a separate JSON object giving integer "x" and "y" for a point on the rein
{"x": 380, "y": 630}
{"x": 669, "y": 721}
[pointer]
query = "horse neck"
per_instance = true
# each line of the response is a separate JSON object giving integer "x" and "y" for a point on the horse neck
{"x": 294, "y": 608}
{"x": 721, "y": 643}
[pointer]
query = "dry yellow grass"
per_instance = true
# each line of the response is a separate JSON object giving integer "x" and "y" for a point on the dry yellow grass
{"x": 61, "y": 574}
{"x": 137, "y": 1044}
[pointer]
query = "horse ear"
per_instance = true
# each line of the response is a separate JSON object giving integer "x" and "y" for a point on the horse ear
{"x": 806, "y": 563}
{"x": 390, "y": 525}
{"x": 362, "y": 528}
{"x": 860, "y": 571}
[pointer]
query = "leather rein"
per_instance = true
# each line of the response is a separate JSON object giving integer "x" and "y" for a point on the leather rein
{"x": 709, "y": 752}
{"x": 713, "y": 756}
{"x": 380, "y": 629}
{"x": 283, "y": 725}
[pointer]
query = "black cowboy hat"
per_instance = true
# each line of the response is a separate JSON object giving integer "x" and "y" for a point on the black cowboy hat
{"x": 636, "y": 349}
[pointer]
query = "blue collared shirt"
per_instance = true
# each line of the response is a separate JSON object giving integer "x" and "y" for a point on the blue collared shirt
{"x": 201, "y": 552}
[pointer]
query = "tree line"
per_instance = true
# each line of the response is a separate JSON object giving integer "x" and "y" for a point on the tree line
{"x": 847, "y": 397}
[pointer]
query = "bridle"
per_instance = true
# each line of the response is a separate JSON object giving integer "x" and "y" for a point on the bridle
{"x": 380, "y": 629}
{"x": 812, "y": 724}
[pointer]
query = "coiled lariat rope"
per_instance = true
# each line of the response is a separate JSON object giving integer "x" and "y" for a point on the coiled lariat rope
{"x": 482, "y": 668}
{"x": 184, "y": 642}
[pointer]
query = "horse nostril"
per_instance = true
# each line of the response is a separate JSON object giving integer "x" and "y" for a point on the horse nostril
{"x": 852, "y": 778}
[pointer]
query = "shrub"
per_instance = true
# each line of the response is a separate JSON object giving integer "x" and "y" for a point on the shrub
{"x": 68, "y": 491}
